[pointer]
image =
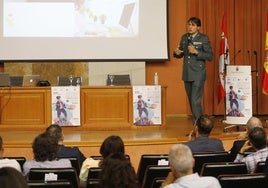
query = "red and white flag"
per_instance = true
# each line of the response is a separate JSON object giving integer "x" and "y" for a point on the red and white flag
{"x": 224, "y": 59}
{"x": 265, "y": 65}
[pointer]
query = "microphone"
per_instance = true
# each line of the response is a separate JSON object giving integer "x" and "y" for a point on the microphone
{"x": 256, "y": 61}
{"x": 235, "y": 56}
{"x": 249, "y": 59}
{"x": 190, "y": 39}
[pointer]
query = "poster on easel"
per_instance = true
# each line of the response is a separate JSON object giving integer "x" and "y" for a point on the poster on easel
{"x": 65, "y": 105}
{"x": 238, "y": 87}
{"x": 147, "y": 105}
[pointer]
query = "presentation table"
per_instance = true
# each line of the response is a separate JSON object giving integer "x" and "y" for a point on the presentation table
{"x": 101, "y": 108}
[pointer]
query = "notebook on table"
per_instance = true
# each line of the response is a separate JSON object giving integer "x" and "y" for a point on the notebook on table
{"x": 30, "y": 80}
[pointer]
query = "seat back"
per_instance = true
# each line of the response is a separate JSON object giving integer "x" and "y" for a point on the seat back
{"x": 92, "y": 183}
{"x": 99, "y": 157}
{"x": 150, "y": 159}
{"x": 153, "y": 172}
{"x": 75, "y": 163}
{"x": 50, "y": 184}
{"x": 62, "y": 173}
{"x": 94, "y": 172}
{"x": 65, "y": 81}
{"x": 257, "y": 180}
{"x": 260, "y": 167}
{"x": 217, "y": 168}
{"x": 21, "y": 160}
{"x": 206, "y": 157}
{"x": 157, "y": 182}
{"x": 118, "y": 80}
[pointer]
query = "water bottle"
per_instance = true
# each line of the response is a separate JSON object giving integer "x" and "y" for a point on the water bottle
{"x": 155, "y": 78}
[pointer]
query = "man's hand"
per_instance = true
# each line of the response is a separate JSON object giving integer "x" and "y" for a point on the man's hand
{"x": 245, "y": 147}
{"x": 177, "y": 51}
{"x": 192, "y": 49}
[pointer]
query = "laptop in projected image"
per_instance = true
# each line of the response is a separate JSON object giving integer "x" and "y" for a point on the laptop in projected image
{"x": 4, "y": 79}
{"x": 30, "y": 80}
{"x": 126, "y": 15}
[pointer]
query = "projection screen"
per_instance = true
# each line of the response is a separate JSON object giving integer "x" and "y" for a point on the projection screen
{"x": 38, "y": 30}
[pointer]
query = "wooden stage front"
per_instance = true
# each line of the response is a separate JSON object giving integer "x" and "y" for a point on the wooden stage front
{"x": 138, "y": 141}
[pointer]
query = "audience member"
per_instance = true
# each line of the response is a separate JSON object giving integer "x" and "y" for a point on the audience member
{"x": 45, "y": 149}
{"x": 117, "y": 172}
{"x": 12, "y": 178}
{"x": 199, "y": 140}
{"x": 112, "y": 144}
{"x": 237, "y": 145}
{"x": 4, "y": 162}
{"x": 265, "y": 170}
{"x": 258, "y": 141}
{"x": 181, "y": 176}
{"x": 64, "y": 151}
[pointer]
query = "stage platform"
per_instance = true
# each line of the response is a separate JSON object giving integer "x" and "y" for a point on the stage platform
{"x": 140, "y": 141}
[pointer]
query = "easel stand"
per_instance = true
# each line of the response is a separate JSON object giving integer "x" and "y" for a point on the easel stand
{"x": 239, "y": 92}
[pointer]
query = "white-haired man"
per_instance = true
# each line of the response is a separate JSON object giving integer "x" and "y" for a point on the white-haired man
{"x": 181, "y": 176}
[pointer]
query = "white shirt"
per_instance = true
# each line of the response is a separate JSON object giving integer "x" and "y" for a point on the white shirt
{"x": 195, "y": 181}
{"x": 88, "y": 163}
{"x": 61, "y": 163}
{"x": 10, "y": 163}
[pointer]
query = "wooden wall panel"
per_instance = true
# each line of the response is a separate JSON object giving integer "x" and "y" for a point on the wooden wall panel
{"x": 26, "y": 106}
{"x": 246, "y": 22}
{"x": 104, "y": 107}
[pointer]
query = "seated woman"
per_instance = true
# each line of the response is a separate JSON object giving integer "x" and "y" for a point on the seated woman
{"x": 45, "y": 149}
{"x": 12, "y": 178}
{"x": 117, "y": 171}
{"x": 110, "y": 145}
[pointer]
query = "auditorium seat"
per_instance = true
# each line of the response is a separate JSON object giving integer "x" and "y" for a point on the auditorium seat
{"x": 206, "y": 157}
{"x": 153, "y": 172}
{"x": 49, "y": 184}
{"x": 62, "y": 174}
{"x": 257, "y": 180}
{"x": 217, "y": 168}
{"x": 94, "y": 172}
{"x": 75, "y": 163}
{"x": 99, "y": 157}
{"x": 150, "y": 159}
{"x": 21, "y": 160}
{"x": 157, "y": 182}
{"x": 92, "y": 183}
{"x": 260, "y": 167}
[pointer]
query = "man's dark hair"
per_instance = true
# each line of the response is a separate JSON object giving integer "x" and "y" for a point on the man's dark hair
{"x": 204, "y": 125}
{"x": 45, "y": 147}
{"x": 195, "y": 20}
{"x": 55, "y": 130}
{"x": 257, "y": 137}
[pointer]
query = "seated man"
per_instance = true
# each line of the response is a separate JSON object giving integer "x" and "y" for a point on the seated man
{"x": 199, "y": 140}
{"x": 181, "y": 164}
{"x": 64, "y": 151}
{"x": 7, "y": 162}
{"x": 237, "y": 145}
{"x": 257, "y": 141}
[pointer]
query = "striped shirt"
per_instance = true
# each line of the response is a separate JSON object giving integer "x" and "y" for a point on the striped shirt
{"x": 252, "y": 159}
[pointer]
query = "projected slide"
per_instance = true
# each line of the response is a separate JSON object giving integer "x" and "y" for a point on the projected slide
{"x": 71, "y": 18}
